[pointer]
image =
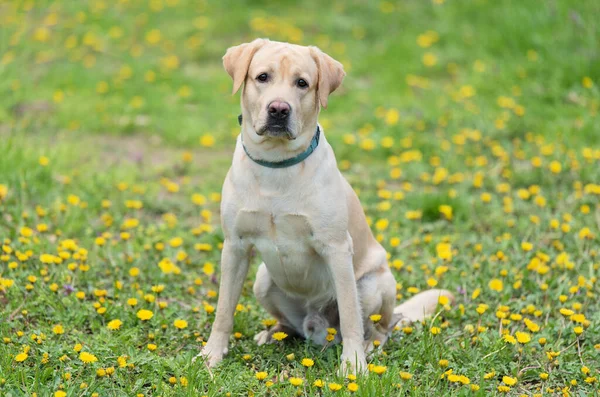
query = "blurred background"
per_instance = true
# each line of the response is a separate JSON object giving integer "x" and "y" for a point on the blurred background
{"x": 152, "y": 68}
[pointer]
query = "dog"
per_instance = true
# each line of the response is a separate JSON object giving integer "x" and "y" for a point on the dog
{"x": 285, "y": 196}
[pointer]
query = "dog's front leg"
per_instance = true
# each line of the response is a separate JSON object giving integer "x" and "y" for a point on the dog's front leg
{"x": 339, "y": 259}
{"x": 234, "y": 268}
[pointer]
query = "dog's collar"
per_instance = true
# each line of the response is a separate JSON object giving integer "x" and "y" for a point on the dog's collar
{"x": 287, "y": 162}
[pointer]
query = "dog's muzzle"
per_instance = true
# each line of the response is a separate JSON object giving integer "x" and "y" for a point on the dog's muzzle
{"x": 277, "y": 124}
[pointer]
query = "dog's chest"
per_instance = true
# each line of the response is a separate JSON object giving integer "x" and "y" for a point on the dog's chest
{"x": 285, "y": 243}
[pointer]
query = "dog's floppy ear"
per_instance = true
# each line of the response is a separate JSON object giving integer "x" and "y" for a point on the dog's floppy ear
{"x": 237, "y": 60}
{"x": 331, "y": 74}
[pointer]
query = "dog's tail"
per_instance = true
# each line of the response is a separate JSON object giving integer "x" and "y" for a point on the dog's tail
{"x": 420, "y": 306}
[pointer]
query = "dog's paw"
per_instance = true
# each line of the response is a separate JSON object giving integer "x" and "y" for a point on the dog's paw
{"x": 263, "y": 337}
{"x": 353, "y": 362}
{"x": 213, "y": 352}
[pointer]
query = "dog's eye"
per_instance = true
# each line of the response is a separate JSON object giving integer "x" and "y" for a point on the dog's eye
{"x": 301, "y": 83}
{"x": 262, "y": 77}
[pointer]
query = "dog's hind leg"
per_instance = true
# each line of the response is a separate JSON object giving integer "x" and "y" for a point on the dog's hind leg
{"x": 288, "y": 312}
{"x": 377, "y": 295}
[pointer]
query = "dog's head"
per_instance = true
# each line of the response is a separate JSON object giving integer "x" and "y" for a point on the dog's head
{"x": 285, "y": 85}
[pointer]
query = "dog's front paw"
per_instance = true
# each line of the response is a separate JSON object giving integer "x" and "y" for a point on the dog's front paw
{"x": 213, "y": 352}
{"x": 353, "y": 362}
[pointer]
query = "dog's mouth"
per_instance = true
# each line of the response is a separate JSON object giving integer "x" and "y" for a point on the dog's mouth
{"x": 276, "y": 131}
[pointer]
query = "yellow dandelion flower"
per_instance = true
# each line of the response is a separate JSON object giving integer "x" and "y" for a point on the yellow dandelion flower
{"x": 180, "y": 324}
{"x": 87, "y": 357}
{"x": 510, "y": 339}
{"x": 207, "y": 140}
{"x": 21, "y": 357}
{"x": 334, "y": 386}
{"x": 509, "y": 381}
{"x": 523, "y": 337}
{"x": 296, "y": 381}
{"x": 496, "y": 285}
{"x": 144, "y": 314}
{"x": 279, "y": 336}
{"x": 114, "y": 325}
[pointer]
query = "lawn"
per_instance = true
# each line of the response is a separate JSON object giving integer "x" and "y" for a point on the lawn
{"x": 473, "y": 142}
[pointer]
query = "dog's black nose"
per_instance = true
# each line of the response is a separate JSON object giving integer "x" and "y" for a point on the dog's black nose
{"x": 279, "y": 110}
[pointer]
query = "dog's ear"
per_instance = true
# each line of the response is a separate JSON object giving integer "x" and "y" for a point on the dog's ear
{"x": 237, "y": 60}
{"x": 331, "y": 74}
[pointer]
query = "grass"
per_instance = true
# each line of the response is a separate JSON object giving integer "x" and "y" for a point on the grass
{"x": 473, "y": 142}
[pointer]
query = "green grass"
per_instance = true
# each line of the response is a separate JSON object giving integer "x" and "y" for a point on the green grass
{"x": 491, "y": 98}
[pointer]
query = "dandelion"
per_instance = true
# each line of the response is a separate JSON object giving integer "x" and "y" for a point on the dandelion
{"x": 392, "y": 116}
{"x": 335, "y": 387}
{"x": 446, "y": 210}
{"x": 21, "y": 357}
{"x": 144, "y": 314}
{"x": 261, "y": 375}
{"x": 532, "y": 326}
{"x": 87, "y": 357}
{"x": 207, "y": 140}
{"x": 180, "y": 324}
{"x": 405, "y": 375}
{"x": 279, "y": 336}
{"x": 509, "y": 381}
{"x": 375, "y": 317}
{"x": 296, "y": 381}
{"x": 114, "y": 324}
{"x": 510, "y": 339}
{"x": 307, "y": 362}
{"x": 523, "y": 337}
{"x": 496, "y": 285}
{"x": 566, "y": 312}
{"x": 526, "y": 246}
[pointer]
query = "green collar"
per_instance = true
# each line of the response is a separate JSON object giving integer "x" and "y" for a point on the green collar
{"x": 287, "y": 162}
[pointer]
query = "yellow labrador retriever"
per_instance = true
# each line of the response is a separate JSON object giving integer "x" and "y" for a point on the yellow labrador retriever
{"x": 285, "y": 196}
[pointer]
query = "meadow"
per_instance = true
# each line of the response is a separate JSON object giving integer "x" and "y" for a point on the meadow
{"x": 469, "y": 129}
